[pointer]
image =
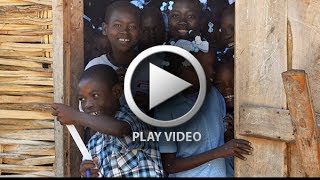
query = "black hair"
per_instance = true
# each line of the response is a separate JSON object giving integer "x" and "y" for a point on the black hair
{"x": 120, "y": 4}
{"x": 101, "y": 73}
{"x": 152, "y": 10}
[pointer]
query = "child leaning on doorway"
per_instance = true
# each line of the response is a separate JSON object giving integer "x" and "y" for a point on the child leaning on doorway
{"x": 115, "y": 152}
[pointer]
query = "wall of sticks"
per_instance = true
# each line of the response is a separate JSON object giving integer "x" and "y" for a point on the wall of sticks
{"x": 26, "y": 89}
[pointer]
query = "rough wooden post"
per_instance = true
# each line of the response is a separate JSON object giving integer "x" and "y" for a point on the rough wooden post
{"x": 303, "y": 120}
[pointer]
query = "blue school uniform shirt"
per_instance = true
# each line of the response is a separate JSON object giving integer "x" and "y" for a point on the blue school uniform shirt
{"x": 208, "y": 121}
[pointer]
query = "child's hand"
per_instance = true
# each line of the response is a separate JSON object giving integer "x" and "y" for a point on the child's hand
{"x": 89, "y": 165}
{"x": 236, "y": 147}
{"x": 64, "y": 113}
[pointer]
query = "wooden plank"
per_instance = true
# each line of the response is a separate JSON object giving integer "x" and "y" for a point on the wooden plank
{"x": 16, "y": 114}
{"x": 259, "y": 61}
{"x": 303, "y": 120}
{"x": 35, "y": 150}
{"x": 9, "y": 10}
{"x": 295, "y": 168}
{"x": 32, "y": 124}
{"x": 61, "y": 138}
{"x": 304, "y": 17}
{"x": 27, "y": 142}
{"x": 271, "y": 123}
{"x": 35, "y": 161}
{"x": 76, "y": 47}
{"x": 38, "y": 134}
{"x": 14, "y": 3}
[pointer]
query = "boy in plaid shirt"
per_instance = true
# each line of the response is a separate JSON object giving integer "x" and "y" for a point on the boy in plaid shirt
{"x": 114, "y": 151}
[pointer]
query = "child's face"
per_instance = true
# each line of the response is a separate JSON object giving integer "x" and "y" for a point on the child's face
{"x": 224, "y": 82}
{"x": 152, "y": 31}
{"x": 122, "y": 29}
{"x": 96, "y": 98}
{"x": 227, "y": 29}
{"x": 184, "y": 17}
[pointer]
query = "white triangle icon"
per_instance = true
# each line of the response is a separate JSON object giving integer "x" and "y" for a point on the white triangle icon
{"x": 163, "y": 85}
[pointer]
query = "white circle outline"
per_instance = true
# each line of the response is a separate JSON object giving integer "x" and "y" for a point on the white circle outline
{"x": 158, "y": 49}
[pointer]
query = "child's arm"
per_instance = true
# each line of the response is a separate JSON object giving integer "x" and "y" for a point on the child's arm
{"x": 235, "y": 147}
{"x": 103, "y": 124}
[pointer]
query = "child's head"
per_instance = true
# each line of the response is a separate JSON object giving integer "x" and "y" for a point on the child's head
{"x": 224, "y": 81}
{"x": 183, "y": 69}
{"x": 227, "y": 27}
{"x": 184, "y": 18}
{"x": 152, "y": 27}
{"x": 122, "y": 25}
{"x": 99, "y": 90}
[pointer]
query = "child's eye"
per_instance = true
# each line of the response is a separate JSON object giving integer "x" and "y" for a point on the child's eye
{"x": 95, "y": 95}
{"x": 191, "y": 17}
{"x": 117, "y": 25}
{"x": 174, "y": 15}
{"x": 133, "y": 27}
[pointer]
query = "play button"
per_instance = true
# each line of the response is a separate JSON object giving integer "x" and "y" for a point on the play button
{"x": 163, "y": 85}
{"x": 160, "y": 78}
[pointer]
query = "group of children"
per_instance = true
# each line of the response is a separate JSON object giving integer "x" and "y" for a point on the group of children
{"x": 129, "y": 28}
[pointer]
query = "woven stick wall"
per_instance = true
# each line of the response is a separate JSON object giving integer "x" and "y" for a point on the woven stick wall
{"x": 26, "y": 89}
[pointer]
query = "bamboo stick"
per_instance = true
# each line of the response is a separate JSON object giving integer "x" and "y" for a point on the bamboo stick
{"x": 25, "y": 88}
{"x": 14, "y": 156}
{"x": 16, "y": 114}
{"x": 43, "y": 2}
{"x": 24, "y": 73}
{"x": 21, "y": 63}
{"x": 26, "y": 47}
{"x": 16, "y": 38}
{"x": 14, "y": 3}
{"x": 15, "y": 27}
{"x": 19, "y": 127}
{"x": 38, "y": 134}
{"x": 9, "y": 10}
{"x": 26, "y": 142}
{"x": 24, "y": 32}
{"x": 27, "y": 123}
{"x": 35, "y": 150}
{"x": 1, "y": 150}
{"x": 8, "y": 53}
{"x": 12, "y": 168}
{"x": 26, "y": 21}
{"x": 32, "y": 161}
{"x": 27, "y": 81}
{"x": 40, "y": 107}
{"x": 32, "y": 59}
{"x": 24, "y": 99}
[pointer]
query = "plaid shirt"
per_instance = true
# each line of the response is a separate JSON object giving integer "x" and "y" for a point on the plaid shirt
{"x": 123, "y": 157}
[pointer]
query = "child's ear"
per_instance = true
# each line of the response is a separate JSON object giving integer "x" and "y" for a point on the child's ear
{"x": 104, "y": 28}
{"x": 117, "y": 90}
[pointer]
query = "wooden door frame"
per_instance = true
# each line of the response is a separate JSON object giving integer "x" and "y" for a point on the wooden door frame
{"x": 67, "y": 66}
